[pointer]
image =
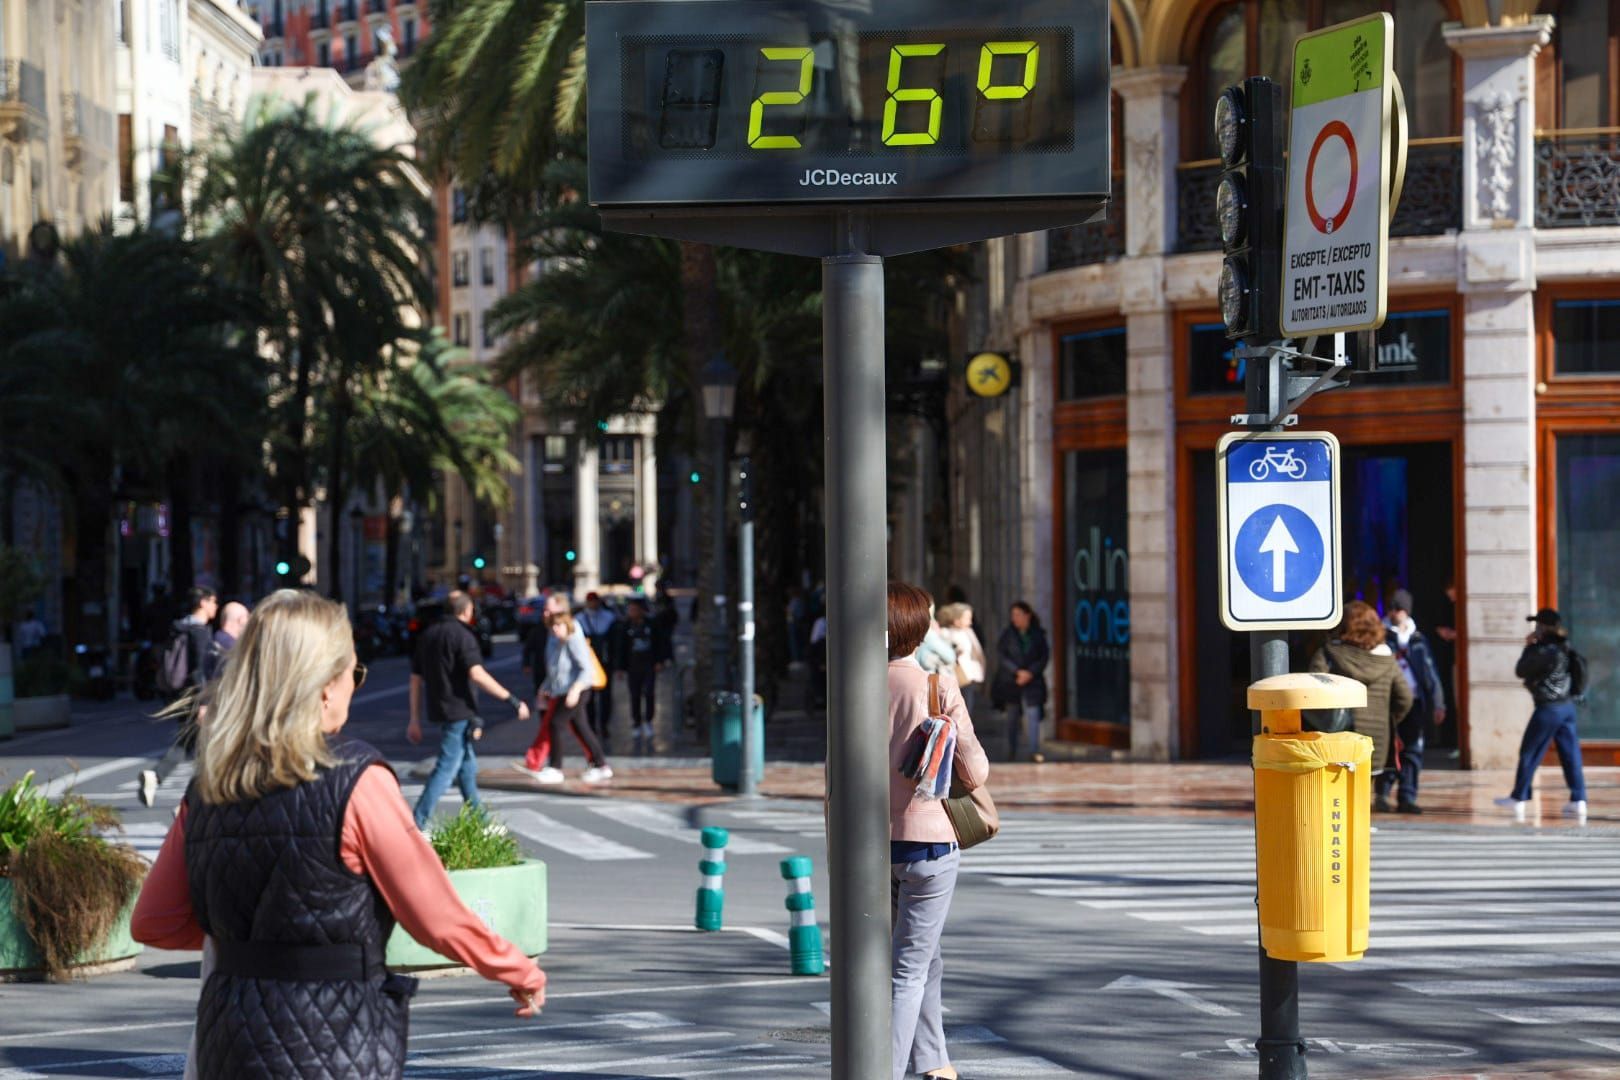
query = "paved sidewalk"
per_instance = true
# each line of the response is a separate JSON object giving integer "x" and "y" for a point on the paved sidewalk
{"x": 1221, "y": 790}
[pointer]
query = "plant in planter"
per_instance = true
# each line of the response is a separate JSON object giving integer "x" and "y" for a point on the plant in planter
{"x": 66, "y": 889}
{"x": 490, "y": 874}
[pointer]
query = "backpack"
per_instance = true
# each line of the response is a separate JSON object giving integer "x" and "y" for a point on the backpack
{"x": 174, "y": 665}
{"x": 1577, "y": 675}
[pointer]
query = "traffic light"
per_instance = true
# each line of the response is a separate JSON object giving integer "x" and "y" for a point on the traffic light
{"x": 283, "y": 568}
{"x": 478, "y": 562}
{"x": 570, "y": 555}
{"x": 696, "y": 477}
{"x": 1249, "y": 206}
{"x": 745, "y": 489}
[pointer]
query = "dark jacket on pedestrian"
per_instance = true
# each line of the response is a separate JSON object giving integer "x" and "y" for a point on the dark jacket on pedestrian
{"x": 1545, "y": 668}
{"x": 202, "y": 657}
{"x": 1021, "y": 652}
{"x": 1417, "y": 657}
{"x": 1389, "y": 698}
{"x": 640, "y": 647}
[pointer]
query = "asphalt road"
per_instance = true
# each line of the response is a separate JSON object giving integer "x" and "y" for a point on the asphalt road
{"x": 1078, "y": 947}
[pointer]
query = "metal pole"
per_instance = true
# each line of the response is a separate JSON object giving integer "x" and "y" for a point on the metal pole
{"x": 857, "y": 675}
{"x": 717, "y": 589}
{"x": 1280, "y": 1048}
{"x": 747, "y": 782}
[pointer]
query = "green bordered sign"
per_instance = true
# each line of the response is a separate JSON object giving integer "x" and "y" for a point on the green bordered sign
{"x": 1336, "y": 234}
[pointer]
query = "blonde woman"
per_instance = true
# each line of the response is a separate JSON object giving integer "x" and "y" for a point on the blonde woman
{"x": 956, "y": 624}
{"x": 295, "y": 854}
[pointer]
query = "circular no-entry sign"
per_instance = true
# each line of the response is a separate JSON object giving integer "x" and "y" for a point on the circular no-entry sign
{"x": 1332, "y": 129}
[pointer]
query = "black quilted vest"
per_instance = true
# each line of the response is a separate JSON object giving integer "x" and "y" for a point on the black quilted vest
{"x": 268, "y": 884}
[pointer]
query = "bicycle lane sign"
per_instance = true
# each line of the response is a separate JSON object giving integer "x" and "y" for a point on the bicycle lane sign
{"x": 1281, "y": 560}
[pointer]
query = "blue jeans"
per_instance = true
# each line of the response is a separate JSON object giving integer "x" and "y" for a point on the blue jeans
{"x": 1554, "y": 723}
{"x": 456, "y": 762}
{"x": 1024, "y": 730}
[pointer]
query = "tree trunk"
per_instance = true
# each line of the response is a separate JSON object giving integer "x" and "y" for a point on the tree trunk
{"x": 182, "y": 564}
{"x": 336, "y": 492}
{"x": 295, "y": 452}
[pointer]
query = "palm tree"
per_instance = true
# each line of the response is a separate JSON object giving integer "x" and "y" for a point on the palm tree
{"x": 324, "y": 227}
{"x": 156, "y": 362}
{"x": 435, "y": 414}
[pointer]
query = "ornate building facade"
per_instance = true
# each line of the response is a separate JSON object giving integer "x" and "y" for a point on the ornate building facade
{"x": 1482, "y": 452}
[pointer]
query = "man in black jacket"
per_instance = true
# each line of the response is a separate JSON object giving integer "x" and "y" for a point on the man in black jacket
{"x": 642, "y": 651}
{"x": 192, "y": 634}
{"x": 1554, "y": 673}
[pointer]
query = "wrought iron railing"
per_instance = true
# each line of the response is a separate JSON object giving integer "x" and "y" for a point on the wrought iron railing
{"x": 1094, "y": 242}
{"x": 1196, "y": 229}
{"x": 22, "y": 83}
{"x": 83, "y": 119}
{"x": 1431, "y": 201}
{"x": 1578, "y": 178}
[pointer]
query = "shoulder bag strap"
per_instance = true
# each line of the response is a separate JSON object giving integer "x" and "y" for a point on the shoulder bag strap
{"x": 933, "y": 695}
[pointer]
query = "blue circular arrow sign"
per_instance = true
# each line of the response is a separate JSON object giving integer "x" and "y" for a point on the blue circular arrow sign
{"x": 1279, "y": 553}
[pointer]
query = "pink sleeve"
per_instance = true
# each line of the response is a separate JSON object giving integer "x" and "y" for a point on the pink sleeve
{"x": 381, "y": 841}
{"x": 972, "y": 765}
{"x": 163, "y": 917}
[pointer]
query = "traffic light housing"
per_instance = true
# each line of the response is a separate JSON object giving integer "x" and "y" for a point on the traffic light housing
{"x": 479, "y": 562}
{"x": 745, "y": 489}
{"x": 1249, "y": 126}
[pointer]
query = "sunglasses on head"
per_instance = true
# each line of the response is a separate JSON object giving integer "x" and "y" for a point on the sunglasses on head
{"x": 359, "y": 674}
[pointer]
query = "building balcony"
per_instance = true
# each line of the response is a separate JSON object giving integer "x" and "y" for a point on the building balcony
{"x": 1094, "y": 242}
{"x": 1578, "y": 178}
{"x": 1431, "y": 202}
{"x": 22, "y": 98}
{"x": 321, "y": 20}
{"x": 87, "y": 128}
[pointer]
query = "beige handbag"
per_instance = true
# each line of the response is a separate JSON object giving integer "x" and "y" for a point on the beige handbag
{"x": 973, "y": 814}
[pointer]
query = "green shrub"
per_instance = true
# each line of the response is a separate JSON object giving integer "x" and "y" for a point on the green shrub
{"x": 69, "y": 884}
{"x": 472, "y": 840}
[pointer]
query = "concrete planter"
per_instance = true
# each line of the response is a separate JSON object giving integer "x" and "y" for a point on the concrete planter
{"x": 42, "y": 713}
{"x": 20, "y": 959}
{"x": 511, "y": 901}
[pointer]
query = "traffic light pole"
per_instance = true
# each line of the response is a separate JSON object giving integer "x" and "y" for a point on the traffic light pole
{"x": 747, "y": 782}
{"x": 857, "y": 668}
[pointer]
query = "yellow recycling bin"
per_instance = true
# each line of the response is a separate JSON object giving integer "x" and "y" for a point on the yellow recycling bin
{"x": 1312, "y": 803}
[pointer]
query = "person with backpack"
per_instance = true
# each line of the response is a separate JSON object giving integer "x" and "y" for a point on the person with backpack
{"x": 188, "y": 661}
{"x": 1416, "y": 661}
{"x": 1556, "y": 676}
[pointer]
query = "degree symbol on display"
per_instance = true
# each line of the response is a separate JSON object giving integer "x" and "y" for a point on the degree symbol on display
{"x": 1330, "y": 225}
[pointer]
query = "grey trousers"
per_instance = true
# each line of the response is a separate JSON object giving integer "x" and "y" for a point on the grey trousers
{"x": 920, "y": 896}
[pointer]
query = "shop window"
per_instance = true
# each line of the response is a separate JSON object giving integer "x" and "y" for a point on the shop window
{"x": 1588, "y": 526}
{"x": 1213, "y": 364}
{"x": 1586, "y": 337}
{"x": 1097, "y": 587}
{"x": 1413, "y": 348}
{"x": 1092, "y": 363}
{"x": 1257, "y": 37}
{"x": 1583, "y": 44}
{"x": 555, "y": 451}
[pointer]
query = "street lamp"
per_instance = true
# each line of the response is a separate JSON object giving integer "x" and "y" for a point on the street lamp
{"x": 719, "y": 402}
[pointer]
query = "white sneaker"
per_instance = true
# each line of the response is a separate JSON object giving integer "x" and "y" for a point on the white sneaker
{"x": 547, "y": 775}
{"x": 1575, "y": 808}
{"x": 1518, "y": 806}
{"x": 596, "y": 775}
{"x": 149, "y": 786}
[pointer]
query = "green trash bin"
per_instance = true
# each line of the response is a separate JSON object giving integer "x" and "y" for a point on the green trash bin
{"x": 725, "y": 737}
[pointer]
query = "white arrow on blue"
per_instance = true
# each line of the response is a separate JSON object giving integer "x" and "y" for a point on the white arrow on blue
{"x": 1280, "y": 543}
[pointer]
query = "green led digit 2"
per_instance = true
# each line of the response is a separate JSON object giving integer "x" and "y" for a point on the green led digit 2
{"x": 779, "y": 98}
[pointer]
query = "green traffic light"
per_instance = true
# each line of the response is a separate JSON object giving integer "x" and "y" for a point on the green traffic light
{"x": 283, "y": 568}
{"x": 697, "y": 477}
{"x": 478, "y": 562}
{"x": 569, "y": 555}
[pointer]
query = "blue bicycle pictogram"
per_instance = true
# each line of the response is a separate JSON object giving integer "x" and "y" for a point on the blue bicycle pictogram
{"x": 1279, "y": 552}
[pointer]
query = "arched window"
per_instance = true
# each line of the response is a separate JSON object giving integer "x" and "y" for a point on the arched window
{"x": 1256, "y": 37}
{"x": 1585, "y": 37}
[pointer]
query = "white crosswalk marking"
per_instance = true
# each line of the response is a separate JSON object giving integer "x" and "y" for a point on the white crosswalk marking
{"x": 667, "y": 823}
{"x": 580, "y": 843}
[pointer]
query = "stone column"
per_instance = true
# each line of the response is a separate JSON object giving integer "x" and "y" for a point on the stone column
{"x": 587, "y": 518}
{"x": 647, "y": 510}
{"x": 1497, "y": 275}
{"x": 1152, "y": 98}
{"x": 1152, "y": 148}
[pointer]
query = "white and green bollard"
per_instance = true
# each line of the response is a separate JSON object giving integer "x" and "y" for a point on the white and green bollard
{"x": 711, "y": 895}
{"x": 804, "y": 938}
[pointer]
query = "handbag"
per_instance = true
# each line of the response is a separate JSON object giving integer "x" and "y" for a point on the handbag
{"x": 973, "y": 814}
{"x": 599, "y": 677}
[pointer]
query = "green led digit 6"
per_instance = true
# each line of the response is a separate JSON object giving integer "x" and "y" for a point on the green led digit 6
{"x": 756, "y": 114}
{"x": 897, "y": 58}
{"x": 1031, "y": 53}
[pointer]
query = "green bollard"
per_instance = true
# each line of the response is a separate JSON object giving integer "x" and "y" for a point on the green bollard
{"x": 804, "y": 937}
{"x": 711, "y": 895}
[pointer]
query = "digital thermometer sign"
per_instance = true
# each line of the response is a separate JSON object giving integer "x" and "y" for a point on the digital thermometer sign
{"x": 735, "y": 102}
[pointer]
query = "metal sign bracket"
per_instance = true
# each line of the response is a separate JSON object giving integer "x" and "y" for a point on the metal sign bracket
{"x": 1283, "y": 389}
